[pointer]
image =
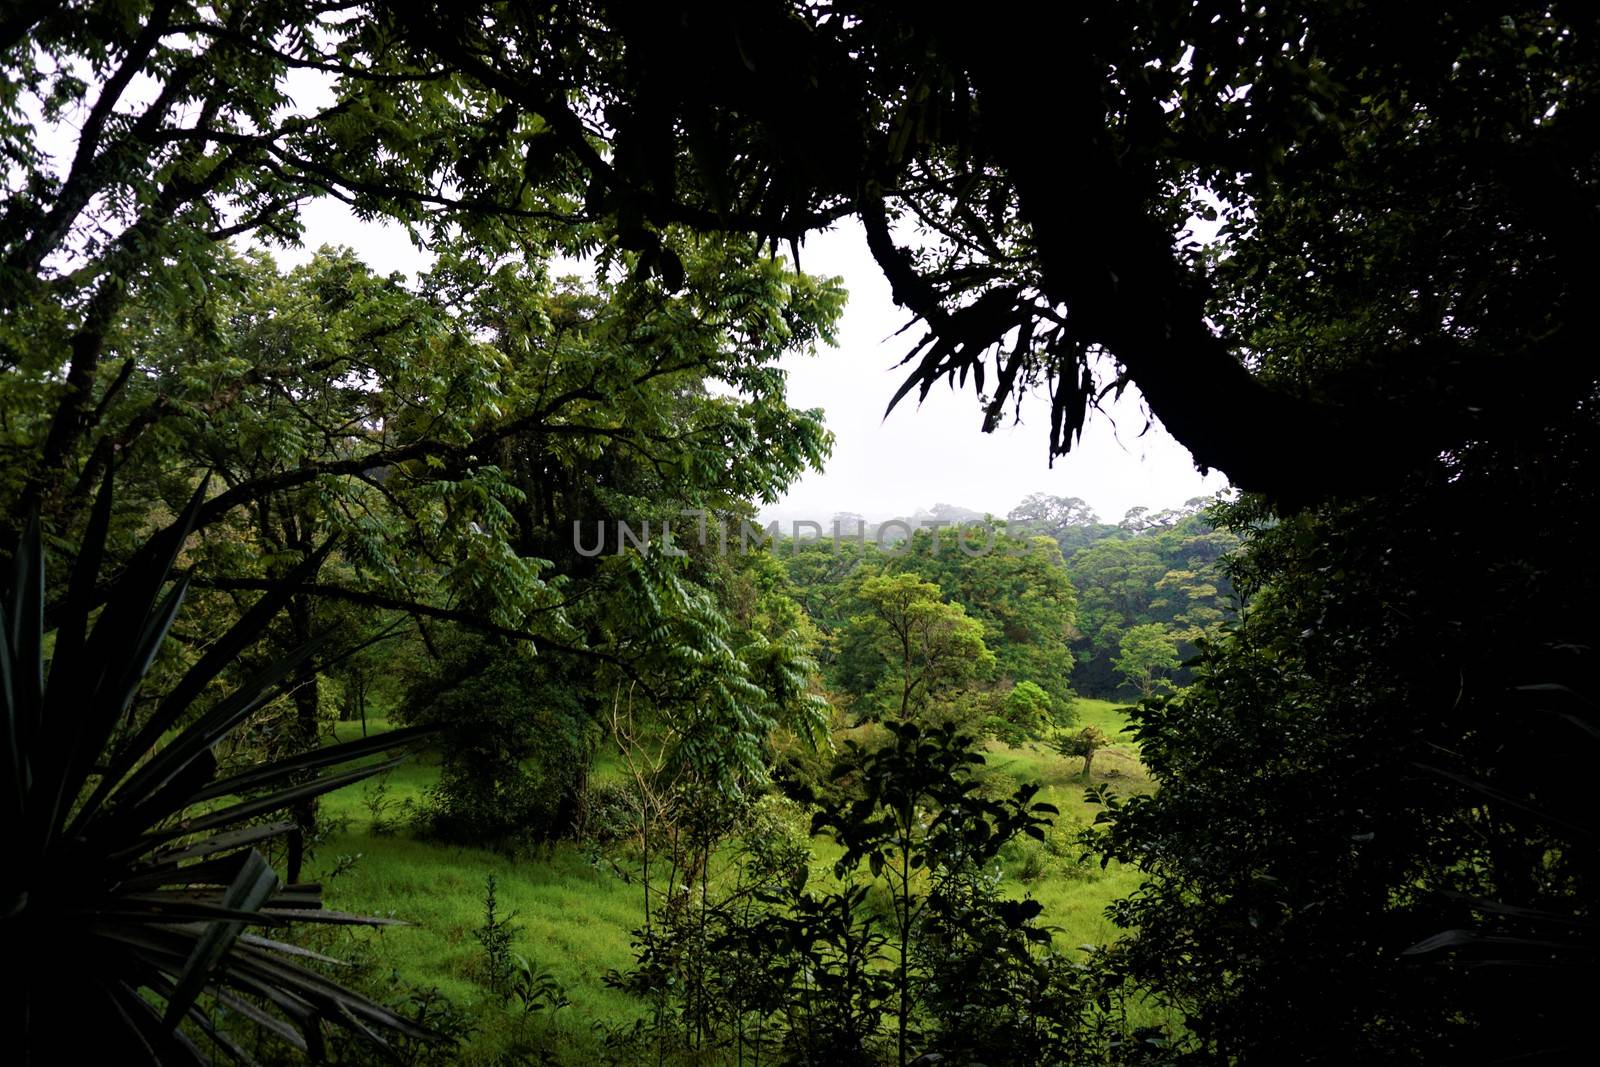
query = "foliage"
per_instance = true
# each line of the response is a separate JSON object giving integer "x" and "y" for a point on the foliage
{"x": 769, "y": 961}
{"x": 1026, "y": 714}
{"x": 612, "y": 132}
{"x": 1144, "y": 654}
{"x": 1068, "y": 521}
{"x": 429, "y": 1009}
{"x": 1381, "y": 768}
{"x": 381, "y": 806}
{"x": 132, "y": 866}
{"x": 993, "y": 988}
{"x": 450, "y": 434}
{"x": 1363, "y": 826}
{"x": 496, "y": 935}
{"x": 610, "y": 812}
{"x": 1399, "y": 305}
{"x": 916, "y": 814}
{"x": 1154, "y": 569}
{"x": 536, "y": 990}
{"x": 508, "y": 974}
{"x": 1085, "y": 743}
{"x": 711, "y": 963}
{"x": 1018, "y": 587}
{"x": 925, "y": 645}
{"x": 901, "y": 95}
{"x": 513, "y": 742}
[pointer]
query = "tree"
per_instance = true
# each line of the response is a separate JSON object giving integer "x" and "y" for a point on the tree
{"x": 1357, "y": 764}
{"x": 1053, "y": 512}
{"x": 1069, "y": 520}
{"x": 1026, "y": 714}
{"x": 916, "y": 810}
{"x": 1378, "y": 804}
{"x": 1400, "y": 307}
{"x": 928, "y": 644}
{"x": 450, "y": 436}
{"x": 1085, "y": 743}
{"x": 1170, "y": 574}
{"x": 330, "y": 399}
{"x": 363, "y": 678}
{"x": 1016, "y": 587}
{"x": 781, "y": 112}
{"x": 515, "y": 742}
{"x": 1145, "y": 653}
{"x": 1019, "y": 589}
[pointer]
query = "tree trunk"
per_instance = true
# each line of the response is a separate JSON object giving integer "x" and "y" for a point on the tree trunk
{"x": 306, "y": 705}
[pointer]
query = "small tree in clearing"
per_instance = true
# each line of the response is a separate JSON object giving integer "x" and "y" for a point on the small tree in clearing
{"x": 1086, "y": 742}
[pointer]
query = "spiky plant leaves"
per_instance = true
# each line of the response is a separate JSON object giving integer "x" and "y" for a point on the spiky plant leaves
{"x": 131, "y": 872}
{"x": 247, "y": 892}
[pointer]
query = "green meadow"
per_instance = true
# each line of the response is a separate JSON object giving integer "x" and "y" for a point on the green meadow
{"x": 575, "y": 905}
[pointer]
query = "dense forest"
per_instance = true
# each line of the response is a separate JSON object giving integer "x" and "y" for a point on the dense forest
{"x": 1110, "y": 609}
{"x": 335, "y": 729}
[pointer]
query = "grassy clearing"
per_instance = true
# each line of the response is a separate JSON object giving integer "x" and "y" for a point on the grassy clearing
{"x": 576, "y": 913}
{"x": 1077, "y": 906}
{"x": 574, "y": 917}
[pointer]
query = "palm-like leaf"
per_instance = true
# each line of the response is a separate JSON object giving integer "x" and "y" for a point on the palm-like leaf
{"x": 132, "y": 874}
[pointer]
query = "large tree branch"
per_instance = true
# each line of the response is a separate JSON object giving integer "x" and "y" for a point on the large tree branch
{"x": 90, "y": 165}
{"x": 416, "y": 609}
{"x": 73, "y": 419}
{"x": 451, "y": 38}
{"x": 1114, "y": 267}
{"x": 366, "y": 598}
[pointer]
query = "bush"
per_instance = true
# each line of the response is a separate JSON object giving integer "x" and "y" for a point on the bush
{"x": 514, "y": 748}
{"x": 424, "y": 1006}
{"x": 609, "y": 812}
{"x": 1032, "y": 861}
{"x": 799, "y": 770}
{"x": 773, "y": 815}
{"x": 134, "y": 871}
{"x": 995, "y": 785}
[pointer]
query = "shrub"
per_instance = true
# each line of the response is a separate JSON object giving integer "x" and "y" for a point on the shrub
{"x": 799, "y": 770}
{"x": 1032, "y": 861}
{"x": 132, "y": 873}
{"x": 513, "y": 746}
{"x": 496, "y": 935}
{"x": 995, "y": 785}
{"x": 609, "y": 812}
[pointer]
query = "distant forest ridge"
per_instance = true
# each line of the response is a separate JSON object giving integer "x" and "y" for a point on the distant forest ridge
{"x": 1141, "y": 593}
{"x": 1069, "y": 519}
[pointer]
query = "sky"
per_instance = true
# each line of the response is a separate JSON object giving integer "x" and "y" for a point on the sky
{"x": 917, "y": 456}
{"x": 920, "y": 456}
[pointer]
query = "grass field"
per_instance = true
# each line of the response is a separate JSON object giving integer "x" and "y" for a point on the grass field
{"x": 576, "y": 913}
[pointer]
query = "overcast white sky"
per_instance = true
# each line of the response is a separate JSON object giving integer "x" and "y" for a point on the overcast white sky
{"x": 917, "y": 457}
{"x": 935, "y": 454}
